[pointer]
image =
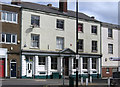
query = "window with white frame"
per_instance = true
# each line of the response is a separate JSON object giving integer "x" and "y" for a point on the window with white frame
{"x": 94, "y": 60}
{"x": 94, "y": 46}
{"x": 74, "y": 63}
{"x": 35, "y": 20}
{"x": 85, "y": 63}
{"x": 53, "y": 63}
{"x": 60, "y": 24}
{"x": 9, "y": 16}
{"x": 94, "y": 29}
{"x": 110, "y": 33}
{"x": 8, "y": 38}
{"x": 35, "y": 40}
{"x": 110, "y": 48}
{"x": 60, "y": 43}
{"x": 80, "y": 45}
{"x": 41, "y": 60}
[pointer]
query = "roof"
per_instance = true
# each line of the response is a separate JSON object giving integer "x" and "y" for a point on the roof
{"x": 115, "y": 26}
{"x": 48, "y": 9}
{"x": 1, "y": 3}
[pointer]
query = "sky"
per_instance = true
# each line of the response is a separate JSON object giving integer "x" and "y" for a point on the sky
{"x": 102, "y": 10}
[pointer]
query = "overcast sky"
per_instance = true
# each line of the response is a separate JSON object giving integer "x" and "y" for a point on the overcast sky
{"x": 103, "y": 10}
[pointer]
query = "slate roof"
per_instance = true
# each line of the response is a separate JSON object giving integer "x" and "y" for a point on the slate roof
{"x": 44, "y": 8}
{"x": 109, "y": 25}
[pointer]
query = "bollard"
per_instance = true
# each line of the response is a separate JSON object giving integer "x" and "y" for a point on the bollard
{"x": 86, "y": 81}
{"x": 108, "y": 82}
{"x": 81, "y": 80}
{"x": 90, "y": 79}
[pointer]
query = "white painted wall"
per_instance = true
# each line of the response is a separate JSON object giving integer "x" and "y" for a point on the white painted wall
{"x": 105, "y": 42}
{"x": 87, "y": 36}
{"x": 47, "y": 31}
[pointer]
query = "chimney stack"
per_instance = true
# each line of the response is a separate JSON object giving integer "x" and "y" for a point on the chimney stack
{"x": 50, "y": 5}
{"x": 63, "y": 5}
{"x": 15, "y": 2}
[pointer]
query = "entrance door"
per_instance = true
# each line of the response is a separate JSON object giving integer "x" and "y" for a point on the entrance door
{"x": 66, "y": 66}
{"x": 29, "y": 69}
{"x": 2, "y": 68}
{"x": 13, "y": 69}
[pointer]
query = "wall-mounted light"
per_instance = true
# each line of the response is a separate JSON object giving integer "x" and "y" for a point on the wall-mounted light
{"x": 11, "y": 48}
{"x": 18, "y": 41}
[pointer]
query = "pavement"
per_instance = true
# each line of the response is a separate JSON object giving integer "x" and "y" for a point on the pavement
{"x": 48, "y": 83}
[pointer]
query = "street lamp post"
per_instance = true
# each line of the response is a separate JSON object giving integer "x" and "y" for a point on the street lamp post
{"x": 76, "y": 43}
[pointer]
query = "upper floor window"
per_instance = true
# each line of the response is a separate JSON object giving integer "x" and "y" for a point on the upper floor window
{"x": 35, "y": 20}
{"x": 110, "y": 33}
{"x": 54, "y": 63}
{"x": 60, "y": 43}
{"x": 60, "y": 24}
{"x": 9, "y": 16}
{"x": 85, "y": 63}
{"x": 94, "y": 29}
{"x": 94, "y": 46}
{"x": 41, "y": 61}
{"x": 80, "y": 27}
{"x": 80, "y": 45}
{"x": 94, "y": 60}
{"x": 110, "y": 48}
{"x": 8, "y": 38}
{"x": 35, "y": 40}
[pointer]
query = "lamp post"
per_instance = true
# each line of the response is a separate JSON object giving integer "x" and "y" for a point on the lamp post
{"x": 76, "y": 43}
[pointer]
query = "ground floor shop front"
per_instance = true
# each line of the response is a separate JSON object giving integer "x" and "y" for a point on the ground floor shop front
{"x": 50, "y": 65}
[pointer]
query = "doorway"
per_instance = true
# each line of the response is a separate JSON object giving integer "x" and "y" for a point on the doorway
{"x": 29, "y": 69}
{"x": 13, "y": 69}
{"x": 2, "y": 68}
{"x": 66, "y": 66}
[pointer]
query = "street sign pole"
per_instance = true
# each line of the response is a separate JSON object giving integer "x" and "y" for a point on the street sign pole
{"x": 76, "y": 43}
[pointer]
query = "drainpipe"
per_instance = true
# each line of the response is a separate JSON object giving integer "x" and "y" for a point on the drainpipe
{"x": 101, "y": 47}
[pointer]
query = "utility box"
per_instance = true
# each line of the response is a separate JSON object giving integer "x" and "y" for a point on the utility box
{"x": 71, "y": 81}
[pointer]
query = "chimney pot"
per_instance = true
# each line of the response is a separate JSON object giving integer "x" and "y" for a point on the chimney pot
{"x": 93, "y": 17}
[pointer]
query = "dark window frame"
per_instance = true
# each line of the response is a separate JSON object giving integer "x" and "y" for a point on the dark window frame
{"x": 35, "y": 20}
{"x": 81, "y": 45}
{"x": 60, "y": 24}
{"x": 85, "y": 63}
{"x": 110, "y": 48}
{"x": 35, "y": 41}
{"x": 41, "y": 60}
{"x": 110, "y": 33}
{"x": 94, "y": 46}
{"x": 94, "y": 29}
{"x": 80, "y": 27}
{"x": 54, "y": 63}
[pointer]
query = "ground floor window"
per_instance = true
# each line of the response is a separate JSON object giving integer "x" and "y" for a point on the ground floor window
{"x": 53, "y": 63}
{"x": 29, "y": 58}
{"x": 74, "y": 63}
{"x": 94, "y": 60}
{"x": 85, "y": 63}
{"x": 41, "y": 61}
